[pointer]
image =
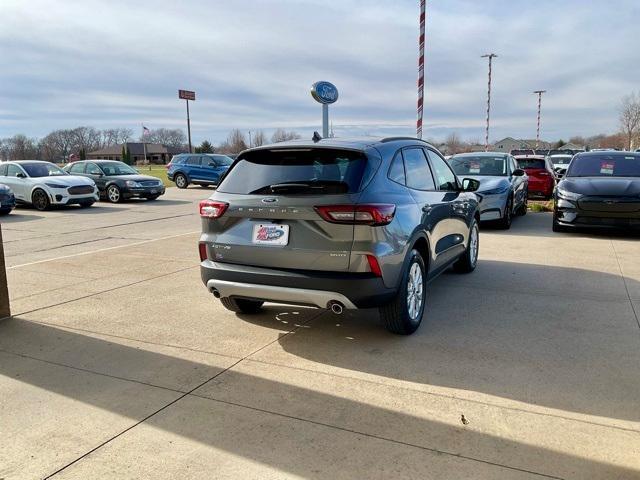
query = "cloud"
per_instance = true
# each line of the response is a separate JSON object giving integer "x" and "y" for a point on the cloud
{"x": 252, "y": 63}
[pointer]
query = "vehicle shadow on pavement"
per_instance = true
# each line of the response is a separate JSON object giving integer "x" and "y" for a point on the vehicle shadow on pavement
{"x": 555, "y": 337}
{"x": 263, "y": 422}
{"x": 14, "y": 217}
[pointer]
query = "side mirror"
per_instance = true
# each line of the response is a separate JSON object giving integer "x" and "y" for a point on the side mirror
{"x": 470, "y": 185}
{"x": 518, "y": 172}
{"x": 21, "y": 175}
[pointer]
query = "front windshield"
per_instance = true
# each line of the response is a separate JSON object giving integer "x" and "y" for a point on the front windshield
{"x": 36, "y": 170}
{"x": 605, "y": 166}
{"x": 117, "y": 168}
{"x": 479, "y": 165}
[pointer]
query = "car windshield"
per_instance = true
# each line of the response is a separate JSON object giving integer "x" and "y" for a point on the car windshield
{"x": 479, "y": 165}
{"x": 526, "y": 163}
{"x": 299, "y": 171}
{"x": 560, "y": 160}
{"x": 605, "y": 166}
{"x": 117, "y": 168}
{"x": 36, "y": 170}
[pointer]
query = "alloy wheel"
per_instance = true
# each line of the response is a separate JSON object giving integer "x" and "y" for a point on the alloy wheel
{"x": 473, "y": 244}
{"x": 113, "y": 193}
{"x": 414, "y": 291}
{"x": 40, "y": 200}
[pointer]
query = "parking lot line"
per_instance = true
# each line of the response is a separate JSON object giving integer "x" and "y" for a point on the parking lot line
{"x": 103, "y": 249}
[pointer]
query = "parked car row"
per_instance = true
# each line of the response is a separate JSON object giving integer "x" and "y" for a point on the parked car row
{"x": 44, "y": 184}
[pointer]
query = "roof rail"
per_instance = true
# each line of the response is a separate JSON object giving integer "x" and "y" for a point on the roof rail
{"x": 393, "y": 139}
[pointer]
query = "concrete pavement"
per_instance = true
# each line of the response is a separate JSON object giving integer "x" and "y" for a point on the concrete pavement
{"x": 119, "y": 364}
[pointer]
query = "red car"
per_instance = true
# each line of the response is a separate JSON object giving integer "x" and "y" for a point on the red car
{"x": 542, "y": 179}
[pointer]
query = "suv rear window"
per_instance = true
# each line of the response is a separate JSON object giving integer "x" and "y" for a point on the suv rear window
{"x": 532, "y": 163}
{"x": 296, "y": 171}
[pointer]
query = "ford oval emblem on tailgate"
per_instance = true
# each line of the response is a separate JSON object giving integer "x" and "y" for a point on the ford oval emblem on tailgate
{"x": 269, "y": 200}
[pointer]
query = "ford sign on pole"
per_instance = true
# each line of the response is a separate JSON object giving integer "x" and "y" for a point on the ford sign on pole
{"x": 324, "y": 93}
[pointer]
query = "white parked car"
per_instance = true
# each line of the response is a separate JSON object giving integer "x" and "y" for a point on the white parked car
{"x": 43, "y": 184}
{"x": 560, "y": 163}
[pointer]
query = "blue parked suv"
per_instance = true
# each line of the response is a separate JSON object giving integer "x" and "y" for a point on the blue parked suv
{"x": 199, "y": 169}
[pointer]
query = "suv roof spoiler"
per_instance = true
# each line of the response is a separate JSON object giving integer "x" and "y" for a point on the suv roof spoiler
{"x": 393, "y": 139}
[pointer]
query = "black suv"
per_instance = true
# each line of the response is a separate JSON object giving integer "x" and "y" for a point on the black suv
{"x": 338, "y": 224}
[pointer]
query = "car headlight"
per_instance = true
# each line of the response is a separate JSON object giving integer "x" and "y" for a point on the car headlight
{"x": 55, "y": 185}
{"x": 496, "y": 191}
{"x": 131, "y": 183}
{"x": 567, "y": 195}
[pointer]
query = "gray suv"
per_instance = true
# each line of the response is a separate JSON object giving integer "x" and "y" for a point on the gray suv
{"x": 338, "y": 223}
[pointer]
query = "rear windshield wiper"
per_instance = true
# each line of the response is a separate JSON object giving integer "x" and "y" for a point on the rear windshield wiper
{"x": 324, "y": 186}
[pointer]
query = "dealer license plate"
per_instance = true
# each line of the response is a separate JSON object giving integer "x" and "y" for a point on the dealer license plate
{"x": 270, "y": 234}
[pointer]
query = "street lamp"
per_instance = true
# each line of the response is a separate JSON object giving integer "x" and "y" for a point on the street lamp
{"x": 490, "y": 56}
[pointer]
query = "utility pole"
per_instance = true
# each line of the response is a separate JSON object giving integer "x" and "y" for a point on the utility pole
{"x": 421, "y": 69}
{"x": 539, "y": 92}
{"x": 250, "y": 142}
{"x": 490, "y": 56}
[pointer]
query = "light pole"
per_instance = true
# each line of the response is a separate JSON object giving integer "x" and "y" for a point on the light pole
{"x": 490, "y": 56}
{"x": 250, "y": 139}
{"x": 539, "y": 92}
{"x": 421, "y": 69}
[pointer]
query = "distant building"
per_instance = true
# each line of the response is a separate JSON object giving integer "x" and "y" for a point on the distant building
{"x": 156, "y": 153}
{"x": 571, "y": 146}
{"x": 509, "y": 143}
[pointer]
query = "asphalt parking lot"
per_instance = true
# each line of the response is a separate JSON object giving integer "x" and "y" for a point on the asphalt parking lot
{"x": 118, "y": 363}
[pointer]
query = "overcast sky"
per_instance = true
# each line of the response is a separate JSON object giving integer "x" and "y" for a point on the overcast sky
{"x": 251, "y": 62}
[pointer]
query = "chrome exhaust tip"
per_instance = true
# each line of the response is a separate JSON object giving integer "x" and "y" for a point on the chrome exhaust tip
{"x": 215, "y": 292}
{"x": 336, "y": 307}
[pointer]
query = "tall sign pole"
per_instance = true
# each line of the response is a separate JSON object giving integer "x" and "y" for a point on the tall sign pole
{"x": 325, "y": 93}
{"x": 187, "y": 95}
{"x": 421, "y": 68}
{"x": 539, "y": 92}
{"x": 490, "y": 56}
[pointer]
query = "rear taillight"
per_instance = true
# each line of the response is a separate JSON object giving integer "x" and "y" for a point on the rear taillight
{"x": 374, "y": 214}
{"x": 211, "y": 209}
{"x": 374, "y": 266}
{"x": 202, "y": 249}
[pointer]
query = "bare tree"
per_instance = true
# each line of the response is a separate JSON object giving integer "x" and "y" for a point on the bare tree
{"x": 172, "y": 137}
{"x": 453, "y": 143}
{"x": 259, "y": 138}
{"x": 630, "y": 118}
{"x": 235, "y": 142}
{"x": 87, "y": 139}
{"x": 19, "y": 147}
{"x": 281, "y": 135}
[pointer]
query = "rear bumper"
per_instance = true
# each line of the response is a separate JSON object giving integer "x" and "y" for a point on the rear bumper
{"x": 296, "y": 287}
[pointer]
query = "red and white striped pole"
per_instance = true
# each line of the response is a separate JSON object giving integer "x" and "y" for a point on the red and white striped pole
{"x": 421, "y": 69}
{"x": 490, "y": 56}
{"x": 539, "y": 92}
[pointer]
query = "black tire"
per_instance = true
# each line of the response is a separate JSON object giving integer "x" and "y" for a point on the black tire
{"x": 40, "y": 200}
{"x": 181, "y": 181}
{"x": 86, "y": 204}
{"x": 113, "y": 194}
{"x": 505, "y": 221}
{"x": 241, "y": 305}
{"x": 556, "y": 227}
{"x": 469, "y": 260}
{"x": 395, "y": 315}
